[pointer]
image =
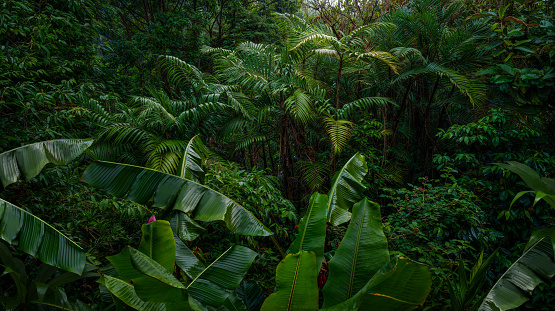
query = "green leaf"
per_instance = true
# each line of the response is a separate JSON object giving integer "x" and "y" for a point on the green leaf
{"x": 186, "y": 228}
{"x": 312, "y": 229}
{"x": 39, "y": 239}
{"x": 252, "y": 295}
{"x": 191, "y": 164}
{"x": 158, "y": 243}
{"x": 28, "y": 160}
{"x": 296, "y": 284}
{"x": 346, "y": 189}
{"x": 399, "y": 285}
{"x": 150, "y": 267}
{"x": 362, "y": 252}
{"x": 212, "y": 286}
{"x": 234, "y": 303}
{"x": 540, "y": 234}
{"x": 126, "y": 293}
{"x": 511, "y": 290}
{"x": 528, "y": 175}
{"x": 186, "y": 260}
{"x": 139, "y": 184}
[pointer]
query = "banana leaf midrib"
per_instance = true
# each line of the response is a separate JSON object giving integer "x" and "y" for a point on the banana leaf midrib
{"x": 185, "y": 157}
{"x": 334, "y": 187}
{"x": 294, "y": 282}
{"x": 206, "y": 269}
{"x": 352, "y": 278}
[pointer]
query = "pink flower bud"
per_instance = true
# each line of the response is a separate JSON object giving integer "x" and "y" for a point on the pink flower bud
{"x": 151, "y": 219}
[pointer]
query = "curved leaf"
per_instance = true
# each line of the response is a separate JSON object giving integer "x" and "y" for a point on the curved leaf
{"x": 140, "y": 184}
{"x": 362, "y": 252}
{"x": 28, "y": 160}
{"x": 184, "y": 227}
{"x": 126, "y": 293}
{"x": 212, "y": 286}
{"x": 399, "y": 285}
{"x": 39, "y": 239}
{"x": 186, "y": 260}
{"x": 536, "y": 265}
{"x": 544, "y": 188}
{"x": 346, "y": 189}
{"x": 191, "y": 164}
{"x": 312, "y": 229}
{"x": 296, "y": 284}
{"x": 153, "y": 269}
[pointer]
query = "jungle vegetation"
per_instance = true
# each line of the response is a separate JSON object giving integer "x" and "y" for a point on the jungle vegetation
{"x": 277, "y": 155}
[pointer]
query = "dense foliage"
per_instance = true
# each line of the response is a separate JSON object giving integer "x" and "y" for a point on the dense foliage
{"x": 287, "y": 155}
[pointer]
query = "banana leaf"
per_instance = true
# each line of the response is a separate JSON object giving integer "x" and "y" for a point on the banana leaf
{"x": 191, "y": 164}
{"x": 140, "y": 184}
{"x": 158, "y": 243}
{"x": 186, "y": 260}
{"x": 28, "y": 160}
{"x": 39, "y": 239}
{"x": 399, "y": 285}
{"x": 346, "y": 189}
{"x": 543, "y": 187}
{"x": 252, "y": 295}
{"x": 296, "y": 284}
{"x": 212, "y": 286}
{"x": 533, "y": 267}
{"x": 184, "y": 227}
{"x": 362, "y": 252}
{"x": 312, "y": 229}
{"x": 126, "y": 293}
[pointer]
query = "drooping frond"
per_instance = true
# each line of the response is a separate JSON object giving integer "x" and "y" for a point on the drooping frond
{"x": 314, "y": 173}
{"x": 339, "y": 132}
{"x": 362, "y": 104}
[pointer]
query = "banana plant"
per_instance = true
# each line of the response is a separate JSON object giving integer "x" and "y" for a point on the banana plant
{"x": 188, "y": 199}
{"x": 146, "y": 280}
{"x": 362, "y": 276}
{"x": 33, "y": 235}
{"x": 45, "y": 289}
{"x": 542, "y": 187}
{"x": 536, "y": 265}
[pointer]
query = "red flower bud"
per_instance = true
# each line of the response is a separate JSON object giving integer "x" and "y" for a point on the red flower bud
{"x": 152, "y": 218}
{"x": 321, "y": 279}
{"x": 296, "y": 226}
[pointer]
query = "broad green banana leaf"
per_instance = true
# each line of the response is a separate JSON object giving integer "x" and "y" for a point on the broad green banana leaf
{"x": 312, "y": 229}
{"x": 158, "y": 243}
{"x": 184, "y": 227}
{"x": 362, "y": 252}
{"x": 401, "y": 284}
{"x": 28, "y": 160}
{"x": 212, "y": 286}
{"x": 540, "y": 234}
{"x": 191, "y": 164}
{"x": 234, "y": 303}
{"x": 39, "y": 239}
{"x": 252, "y": 295}
{"x": 346, "y": 189}
{"x": 511, "y": 290}
{"x": 297, "y": 288}
{"x": 140, "y": 184}
{"x": 543, "y": 187}
{"x": 186, "y": 260}
{"x": 126, "y": 293}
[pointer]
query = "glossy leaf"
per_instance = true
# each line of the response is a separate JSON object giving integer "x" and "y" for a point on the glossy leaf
{"x": 296, "y": 284}
{"x": 312, "y": 229}
{"x": 252, "y": 295}
{"x": 153, "y": 269}
{"x": 346, "y": 189}
{"x": 140, "y": 184}
{"x": 540, "y": 234}
{"x": 534, "y": 266}
{"x": 362, "y": 252}
{"x": 158, "y": 243}
{"x": 126, "y": 293}
{"x": 544, "y": 188}
{"x": 27, "y": 161}
{"x": 399, "y": 285}
{"x": 39, "y": 239}
{"x": 186, "y": 260}
{"x": 212, "y": 286}
{"x": 186, "y": 228}
{"x": 191, "y": 164}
